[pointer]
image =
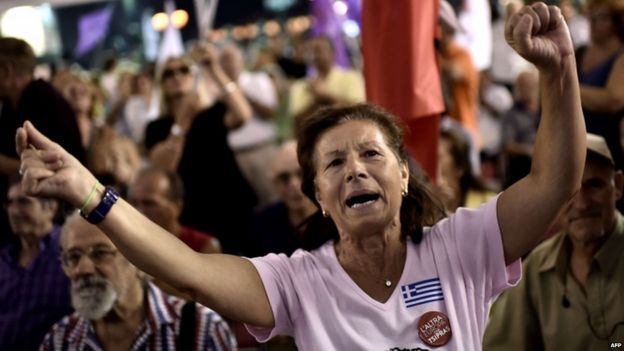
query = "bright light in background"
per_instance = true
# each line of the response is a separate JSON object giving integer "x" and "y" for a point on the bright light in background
{"x": 25, "y": 22}
{"x": 340, "y": 7}
{"x": 351, "y": 28}
{"x": 160, "y": 21}
{"x": 179, "y": 18}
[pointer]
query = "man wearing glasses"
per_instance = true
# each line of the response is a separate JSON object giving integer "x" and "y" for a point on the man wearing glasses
{"x": 571, "y": 295}
{"x": 34, "y": 292}
{"x": 117, "y": 309}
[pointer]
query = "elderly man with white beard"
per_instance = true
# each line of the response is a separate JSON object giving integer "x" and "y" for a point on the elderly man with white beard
{"x": 116, "y": 308}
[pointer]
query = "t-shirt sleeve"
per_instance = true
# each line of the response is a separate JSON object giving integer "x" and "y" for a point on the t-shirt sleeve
{"x": 474, "y": 237}
{"x": 276, "y": 274}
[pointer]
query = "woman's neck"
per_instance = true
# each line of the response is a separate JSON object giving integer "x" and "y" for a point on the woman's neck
{"x": 375, "y": 263}
{"x": 372, "y": 249}
{"x": 175, "y": 103}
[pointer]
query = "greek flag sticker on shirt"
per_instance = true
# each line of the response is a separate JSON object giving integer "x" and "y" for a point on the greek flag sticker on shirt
{"x": 422, "y": 292}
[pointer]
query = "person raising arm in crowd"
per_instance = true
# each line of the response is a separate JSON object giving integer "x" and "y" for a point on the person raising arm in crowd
{"x": 361, "y": 288}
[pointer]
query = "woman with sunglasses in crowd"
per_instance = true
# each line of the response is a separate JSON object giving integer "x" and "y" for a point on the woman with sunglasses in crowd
{"x": 192, "y": 139}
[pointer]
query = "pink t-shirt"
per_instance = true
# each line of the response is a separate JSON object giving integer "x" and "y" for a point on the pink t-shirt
{"x": 457, "y": 269}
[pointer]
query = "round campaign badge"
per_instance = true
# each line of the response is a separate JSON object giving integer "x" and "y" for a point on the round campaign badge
{"x": 434, "y": 329}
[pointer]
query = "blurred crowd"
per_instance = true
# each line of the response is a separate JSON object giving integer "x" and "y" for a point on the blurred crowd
{"x": 203, "y": 146}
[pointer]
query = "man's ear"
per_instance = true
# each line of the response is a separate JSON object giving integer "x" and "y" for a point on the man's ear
{"x": 619, "y": 184}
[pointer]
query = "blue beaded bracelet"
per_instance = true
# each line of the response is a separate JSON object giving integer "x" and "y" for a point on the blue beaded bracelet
{"x": 109, "y": 198}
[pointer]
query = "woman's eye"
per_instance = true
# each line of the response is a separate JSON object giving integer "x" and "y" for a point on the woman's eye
{"x": 371, "y": 153}
{"x": 334, "y": 163}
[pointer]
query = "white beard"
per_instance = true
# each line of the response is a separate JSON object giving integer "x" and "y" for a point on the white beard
{"x": 92, "y": 297}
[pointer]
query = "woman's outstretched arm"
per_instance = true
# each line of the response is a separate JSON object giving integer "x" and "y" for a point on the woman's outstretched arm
{"x": 228, "y": 284}
{"x": 526, "y": 210}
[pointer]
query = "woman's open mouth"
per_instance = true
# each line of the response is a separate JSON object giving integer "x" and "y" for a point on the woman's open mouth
{"x": 361, "y": 200}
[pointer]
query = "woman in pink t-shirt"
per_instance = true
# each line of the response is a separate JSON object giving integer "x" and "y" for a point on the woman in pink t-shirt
{"x": 379, "y": 278}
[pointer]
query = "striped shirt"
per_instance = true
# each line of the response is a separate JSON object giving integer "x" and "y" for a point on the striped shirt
{"x": 32, "y": 299}
{"x": 159, "y": 330}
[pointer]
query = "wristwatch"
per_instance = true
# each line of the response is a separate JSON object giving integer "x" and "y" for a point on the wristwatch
{"x": 109, "y": 198}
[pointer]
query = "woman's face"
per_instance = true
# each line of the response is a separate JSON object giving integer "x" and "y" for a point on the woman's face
{"x": 176, "y": 78}
{"x": 359, "y": 178}
{"x": 601, "y": 23}
{"x": 144, "y": 84}
{"x": 80, "y": 97}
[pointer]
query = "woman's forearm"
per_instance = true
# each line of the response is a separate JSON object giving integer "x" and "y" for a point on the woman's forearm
{"x": 601, "y": 100}
{"x": 237, "y": 103}
{"x": 561, "y": 135}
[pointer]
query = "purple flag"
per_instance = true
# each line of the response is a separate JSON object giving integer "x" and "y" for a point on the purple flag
{"x": 92, "y": 28}
{"x": 329, "y": 24}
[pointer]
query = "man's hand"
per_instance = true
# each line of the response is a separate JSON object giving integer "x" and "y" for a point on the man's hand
{"x": 539, "y": 34}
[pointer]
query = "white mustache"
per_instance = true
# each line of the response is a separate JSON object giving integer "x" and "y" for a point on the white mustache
{"x": 90, "y": 285}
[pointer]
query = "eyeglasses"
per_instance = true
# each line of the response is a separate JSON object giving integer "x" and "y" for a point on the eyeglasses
{"x": 98, "y": 255}
{"x": 170, "y": 72}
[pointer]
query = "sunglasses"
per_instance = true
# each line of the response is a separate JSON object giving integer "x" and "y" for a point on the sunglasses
{"x": 170, "y": 72}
